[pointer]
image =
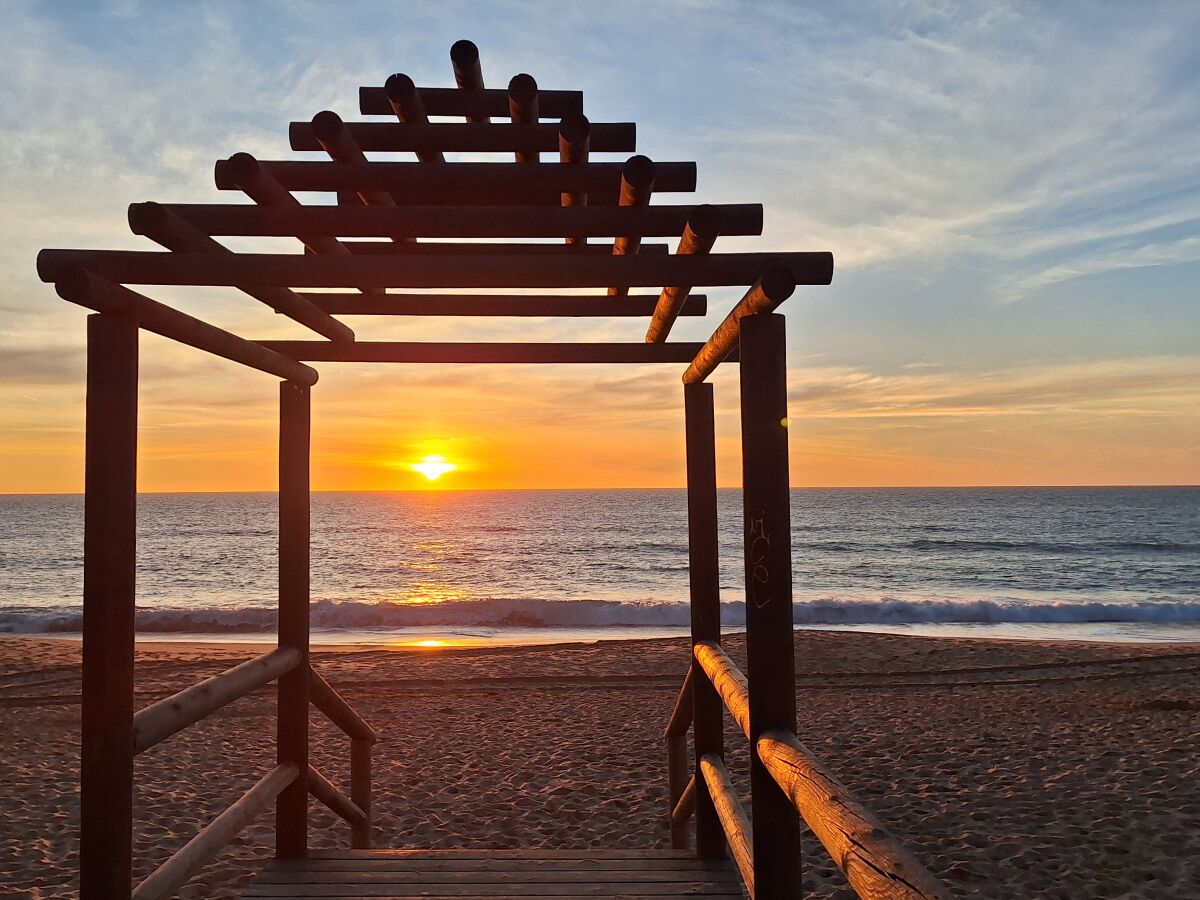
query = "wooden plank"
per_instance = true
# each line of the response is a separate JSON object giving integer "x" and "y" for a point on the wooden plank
{"x": 699, "y": 236}
{"x": 160, "y": 720}
{"x": 164, "y": 881}
{"x": 730, "y": 683}
{"x": 457, "y": 182}
{"x": 482, "y": 862}
{"x": 291, "y": 810}
{"x": 509, "y": 876}
{"x": 137, "y": 267}
{"x": 81, "y": 287}
{"x": 627, "y": 889}
{"x": 454, "y": 222}
{"x": 704, "y": 584}
{"x": 388, "y": 137}
{"x": 770, "y": 669}
{"x": 874, "y": 862}
{"x": 489, "y": 248}
{"x": 495, "y": 305}
{"x": 337, "y": 802}
{"x": 404, "y": 352}
{"x": 775, "y": 286}
{"x": 584, "y": 853}
{"x": 109, "y": 562}
{"x": 438, "y": 101}
{"x": 160, "y": 224}
{"x": 338, "y": 711}
{"x": 738, "y": 831}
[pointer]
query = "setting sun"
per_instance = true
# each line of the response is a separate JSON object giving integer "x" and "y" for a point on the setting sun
{"x": 433, "y": 467}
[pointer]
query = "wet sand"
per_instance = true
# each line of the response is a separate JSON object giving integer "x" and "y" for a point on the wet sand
{"x": 1011, "y": 768}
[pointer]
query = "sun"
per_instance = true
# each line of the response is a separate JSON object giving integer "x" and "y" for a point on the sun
{"x": 433, "y": 467}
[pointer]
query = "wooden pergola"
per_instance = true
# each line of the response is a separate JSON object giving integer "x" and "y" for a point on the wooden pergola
{"x": 398, "y": 231}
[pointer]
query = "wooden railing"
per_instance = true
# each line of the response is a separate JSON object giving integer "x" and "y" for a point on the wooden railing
{"x": 170, "y": 715}
{"x": 874, "y": 862}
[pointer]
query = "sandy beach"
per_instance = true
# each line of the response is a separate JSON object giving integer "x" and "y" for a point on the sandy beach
{"x": 1013, "y": 769}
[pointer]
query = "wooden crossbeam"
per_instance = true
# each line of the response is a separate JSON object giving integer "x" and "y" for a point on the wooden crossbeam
{"x": 574, "y": 144}
{"x": 492, "y": 248}
{"x": 637, "y": 183}
{"x": 404, "y": 352}
{"x": 468, "y": 74}
{"x": 775, "y": 286}
{"x": 459, "y": 221}
{"x": 497, "y": 305}
{"x": 461, "y": 178}
{"x": 404, "y": 101}
{"x": 607, "y": 137}
{"x": 523, "y": 108}
{"x": 438, "y": 101}
{"x": 292, "y": 270}
{"x": 335, "y": 139}
{"x": 699, "y": 235}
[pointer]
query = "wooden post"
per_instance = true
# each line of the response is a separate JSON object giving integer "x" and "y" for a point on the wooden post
{"x": 705, "y": 586}
{"x": 360, "y": 791}
{"x": 291, "y": 810}
{"x": 109, "y": 556}
{"x": 769, "y": 641}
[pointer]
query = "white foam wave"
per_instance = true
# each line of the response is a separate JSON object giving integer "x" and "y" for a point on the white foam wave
{"x": 539, "y": 613}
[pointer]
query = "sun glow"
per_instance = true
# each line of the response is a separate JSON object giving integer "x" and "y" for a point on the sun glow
{"x": 433, "y": 467}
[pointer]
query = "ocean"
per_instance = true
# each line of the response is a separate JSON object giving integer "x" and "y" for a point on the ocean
{"x": 537, "y": 566}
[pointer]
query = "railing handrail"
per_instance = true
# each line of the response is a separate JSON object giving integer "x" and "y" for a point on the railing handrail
{"x": 337, "y": 710}
{"x": 337, "y": 802}
{"x": 355, "y": 809}
{"x": 873, "y": 860}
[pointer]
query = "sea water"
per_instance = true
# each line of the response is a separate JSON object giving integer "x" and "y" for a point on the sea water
{"x": 533, "y": 566}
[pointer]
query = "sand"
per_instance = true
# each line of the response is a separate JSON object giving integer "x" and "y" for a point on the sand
{"x": 1011, "y": 768}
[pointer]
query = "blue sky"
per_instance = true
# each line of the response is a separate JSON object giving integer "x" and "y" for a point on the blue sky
{"x": 1011, "y": 192}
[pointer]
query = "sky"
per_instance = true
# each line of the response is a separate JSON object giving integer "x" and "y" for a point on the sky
{"x": 1010, "y": 191}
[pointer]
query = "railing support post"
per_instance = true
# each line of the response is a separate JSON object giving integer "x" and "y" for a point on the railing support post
{"x": 291, "y": 809}
{"x": 360, "y": 791}
{"x": 770, "y": 667}
{"x": 705, "y": 587}
{"x": 109, "y": 557}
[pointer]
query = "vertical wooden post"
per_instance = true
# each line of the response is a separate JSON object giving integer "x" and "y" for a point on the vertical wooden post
{"x": 291, "y": 810}
{"x": 109, "y": 558}
{"x": 360, "y": 791}
{"x": 705, "y": 586}
{"x": 771, "y": 668}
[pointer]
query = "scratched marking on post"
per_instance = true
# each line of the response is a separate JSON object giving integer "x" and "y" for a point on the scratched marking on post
{"x": 760, "y": 575}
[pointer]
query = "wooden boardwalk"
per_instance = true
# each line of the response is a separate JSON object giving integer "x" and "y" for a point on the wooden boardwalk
{"x": 497, "y": 873}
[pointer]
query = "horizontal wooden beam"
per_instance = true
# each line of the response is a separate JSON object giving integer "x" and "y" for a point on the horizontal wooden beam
{"x": 160, "y": 720}
{"x": 496, "y": 305}
{"x": 327, "y": 792}
{"x": 775, "y": 286}
{"x": 493, "y": 248}
{"x": 398, "y": 137}
{"x": 726, "y": 677}
{"x": 82, "y": 287}
{"x": 294, "y": 270}
{"x": 161, "y": 225}
{"x": 404, "y": 352}
{"x": 164, "y": 881}
{"x": 874, "y": 862}
{"x": 437, "y": 101}
{"x": 457, "y": 182}
{"x": 457, "y": 221}
{"x": 738, "y": 833}
{"x": 336, "y": 709}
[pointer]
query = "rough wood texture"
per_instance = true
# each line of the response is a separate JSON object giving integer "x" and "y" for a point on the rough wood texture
{"x": 167, "y": 878}
{"x": 160, "y": 720}
{"x": 291, "y": 811}
{"x": 401, "y": 352}
{"x": 738, "y": 831}
{"x": 511, "y": 873}
{"x": 873, "y": 861}
{"x": 162, "y": 225}
{"x": 606, "y": 137}
{"x": 730, "y": 683}
{"x": 772, "y": 288}
{"x": 81, "y": 287}
{"x": 770, "y": 657}
{"x": 135, "y": 267}
{"x": 462, "y": 182}
{"x": 337, "y": 710}
{"x": 494, "y": 305}
{"x": 439, "y": 101}
{"x": 704, "y": 584}
{"x": 450, "y": 221}
{"x": 327, "y": 792}
{"x": 109, "y": 561}
{"x": 699, "y": 235}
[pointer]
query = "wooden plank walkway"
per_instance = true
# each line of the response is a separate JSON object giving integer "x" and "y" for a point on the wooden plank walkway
{"x": 543, "y": 874}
